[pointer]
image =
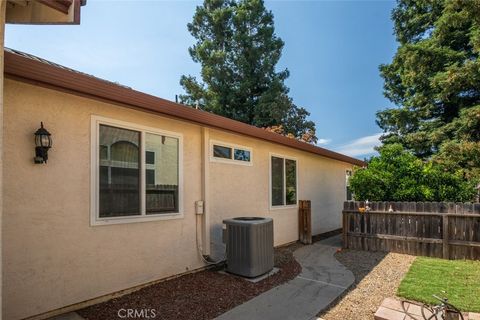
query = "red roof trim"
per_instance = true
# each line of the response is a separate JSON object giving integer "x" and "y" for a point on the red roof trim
{"x": 22, "y": 66}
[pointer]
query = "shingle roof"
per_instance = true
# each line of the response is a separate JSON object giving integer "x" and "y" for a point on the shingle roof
{"x": 56, "y": 65}
{"x": 26, "y": 67}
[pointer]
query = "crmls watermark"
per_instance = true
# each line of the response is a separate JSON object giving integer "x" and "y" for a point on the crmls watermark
{"x": 137, "y": 313}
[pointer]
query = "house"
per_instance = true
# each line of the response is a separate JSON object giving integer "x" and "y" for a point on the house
{"x": 115, "y": 205}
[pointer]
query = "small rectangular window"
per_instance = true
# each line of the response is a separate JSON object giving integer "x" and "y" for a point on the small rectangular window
{"x": 222, "y": 152}
{"x": 230, "y": 153}
{"x": 150, "y": 157}
{"x": 242, "y": 155}
{"x": 283, "y": 181}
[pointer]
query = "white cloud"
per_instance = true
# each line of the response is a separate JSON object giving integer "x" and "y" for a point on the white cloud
{"x": 361, "y": 146}
{"x": 323, "y": 141}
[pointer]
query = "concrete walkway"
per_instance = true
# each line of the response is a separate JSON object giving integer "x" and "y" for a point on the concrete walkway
{"x": 322, "y": 280}
{"x": 68, "y": 316}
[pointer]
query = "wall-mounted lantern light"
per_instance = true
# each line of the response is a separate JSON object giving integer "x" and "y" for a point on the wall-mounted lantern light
{"x": 43, "y": 142}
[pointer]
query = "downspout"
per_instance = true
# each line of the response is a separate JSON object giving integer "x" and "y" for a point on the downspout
{"x": 205, "y": 218}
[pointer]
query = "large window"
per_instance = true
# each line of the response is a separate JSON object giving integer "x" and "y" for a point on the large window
{"x": 283, "y": 181}
{"x": 229, "y": 153}
{"x": 136, "y": 172}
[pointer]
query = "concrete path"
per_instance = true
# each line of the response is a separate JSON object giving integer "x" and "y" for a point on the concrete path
{"x": 67, "y": 316}
{"x": 322, "y": 280}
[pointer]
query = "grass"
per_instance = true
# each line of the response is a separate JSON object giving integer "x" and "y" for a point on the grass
{"x": 459, "y": 278}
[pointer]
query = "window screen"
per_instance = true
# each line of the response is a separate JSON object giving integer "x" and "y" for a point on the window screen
{"x": 119, "y": 172}
{"x": 162, "y": 194}
{"x": 277, "y": 182}
{"x": 283, "y": 181}
{"x": 291, "y": 181}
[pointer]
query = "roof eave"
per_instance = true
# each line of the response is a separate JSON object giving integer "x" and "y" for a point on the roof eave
{"x": 42, "y": 73}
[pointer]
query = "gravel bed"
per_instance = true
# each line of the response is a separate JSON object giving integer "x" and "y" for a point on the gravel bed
{"x": 201, "y": 295}
{"x": 377, "y": 276}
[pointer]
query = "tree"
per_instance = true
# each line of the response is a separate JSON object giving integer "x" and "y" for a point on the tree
{"x": 398, "y": 175}
{"x": 238, "y": 50}
{"x": 434, "y": 81}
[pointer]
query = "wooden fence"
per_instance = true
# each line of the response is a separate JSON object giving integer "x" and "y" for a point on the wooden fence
{"x": 435, "y": 229}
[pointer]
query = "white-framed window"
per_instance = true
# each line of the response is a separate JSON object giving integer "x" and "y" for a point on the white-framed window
{"x": 348, "y": 191}
{"x": 283, "y": 181}
{"x": 136, "y": 172}
{"x": 230, "y": 153}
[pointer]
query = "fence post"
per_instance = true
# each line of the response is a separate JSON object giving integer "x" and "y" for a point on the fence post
{"x": 305, "y": 221}
{"x": 445, "y": 236}
{"x": 344, "y": 230}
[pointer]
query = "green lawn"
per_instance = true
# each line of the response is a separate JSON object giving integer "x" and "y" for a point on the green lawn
{"x": 459, "y": 278}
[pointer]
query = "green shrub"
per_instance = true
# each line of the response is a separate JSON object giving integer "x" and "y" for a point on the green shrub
{"x": 398, "y": 175}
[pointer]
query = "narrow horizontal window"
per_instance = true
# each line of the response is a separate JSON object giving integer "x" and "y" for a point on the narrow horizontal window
{"x": 230, "y": 153}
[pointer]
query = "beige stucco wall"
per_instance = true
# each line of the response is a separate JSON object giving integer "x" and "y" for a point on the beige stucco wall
{"x": 53, "y": 257}
{"x": 3, "y": 5}
{"x": 320, "y": 180}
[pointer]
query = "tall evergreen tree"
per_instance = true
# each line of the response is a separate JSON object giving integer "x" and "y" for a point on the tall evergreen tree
{"x": 238, "y": 50}
{"x": 434, "y": 81}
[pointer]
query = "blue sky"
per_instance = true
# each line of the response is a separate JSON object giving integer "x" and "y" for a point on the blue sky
{"x": 332, "y": 49}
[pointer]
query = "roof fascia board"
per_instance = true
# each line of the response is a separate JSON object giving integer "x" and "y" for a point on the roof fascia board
{"x": 26, "y": 68}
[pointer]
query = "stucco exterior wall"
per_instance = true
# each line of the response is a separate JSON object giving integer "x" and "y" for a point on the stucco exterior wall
{"x": 320, "y": 180}
{"x": 53, "y": 257}
{"x": 3, "y": 5}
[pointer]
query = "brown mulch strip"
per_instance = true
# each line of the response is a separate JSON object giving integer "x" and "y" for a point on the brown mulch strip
{"x": 377, "y": 276}
{"x": 201, "y": 295}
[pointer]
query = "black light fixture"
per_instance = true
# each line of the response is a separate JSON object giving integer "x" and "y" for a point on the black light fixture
{"x": 43, "y": 142}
